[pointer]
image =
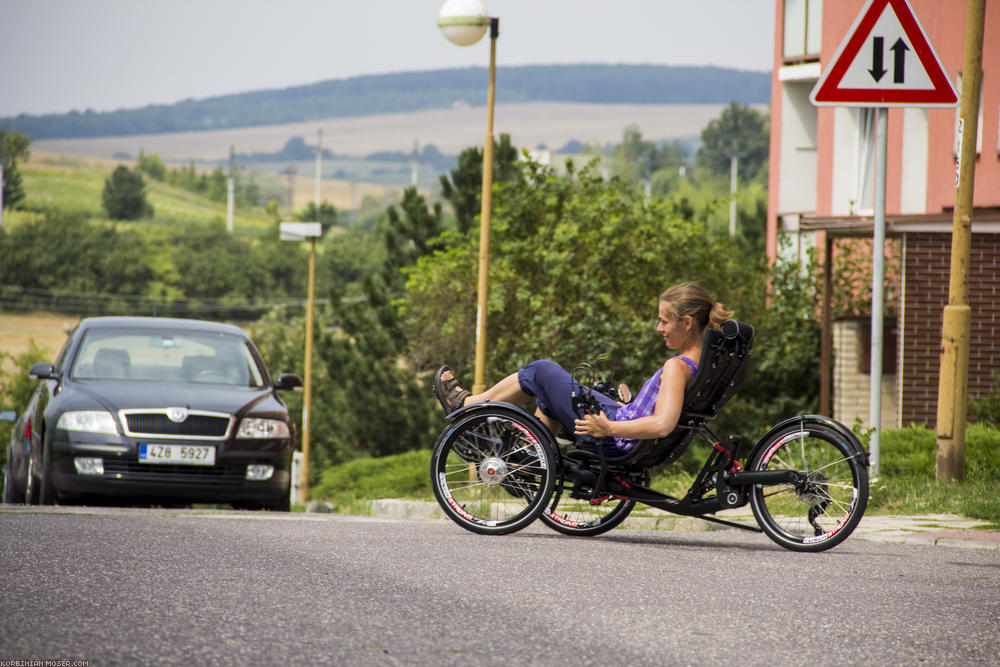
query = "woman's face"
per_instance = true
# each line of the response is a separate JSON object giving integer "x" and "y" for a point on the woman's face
{"x": 675, "y": 332}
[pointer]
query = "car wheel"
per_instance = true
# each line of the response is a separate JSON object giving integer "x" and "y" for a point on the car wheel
{"x": 282, "y": 503}
{"x": 46, "y": 494}
{"x": 10, "y": 492}
{"x": 31, "y": 484}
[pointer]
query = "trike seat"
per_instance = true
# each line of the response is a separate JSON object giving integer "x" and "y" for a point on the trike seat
{"x": 721, "y": 370}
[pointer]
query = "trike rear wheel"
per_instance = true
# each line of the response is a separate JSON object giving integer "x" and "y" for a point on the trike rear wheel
{"x": 821, "y": 509}
{"x": 493, "y": 471}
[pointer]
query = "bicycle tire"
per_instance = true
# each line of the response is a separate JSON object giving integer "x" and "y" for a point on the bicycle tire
{"x": 825, "y": 507}
{"x": 493, "y": 471}
{"x": 580, "y": 518}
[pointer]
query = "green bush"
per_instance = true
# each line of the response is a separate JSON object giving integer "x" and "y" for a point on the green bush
{"x": 987, "y": 410}
{"x": 350, "y": 485}
{"x": 16, "y": 386}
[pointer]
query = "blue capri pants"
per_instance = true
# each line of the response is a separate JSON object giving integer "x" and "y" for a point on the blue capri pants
{"x": 552, "y": 387}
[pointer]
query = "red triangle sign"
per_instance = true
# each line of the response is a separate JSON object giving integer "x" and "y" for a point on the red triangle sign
{"x": 886, "y": 60}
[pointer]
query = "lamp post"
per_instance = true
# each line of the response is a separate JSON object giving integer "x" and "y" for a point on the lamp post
{"x": 301, "y": 231}
{"x": 464, "y": 23}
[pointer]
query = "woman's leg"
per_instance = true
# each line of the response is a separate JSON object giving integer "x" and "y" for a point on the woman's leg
{"x": 507, "y": 390}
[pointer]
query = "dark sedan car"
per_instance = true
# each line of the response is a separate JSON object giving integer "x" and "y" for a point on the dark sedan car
{"x": 159, "y": 410}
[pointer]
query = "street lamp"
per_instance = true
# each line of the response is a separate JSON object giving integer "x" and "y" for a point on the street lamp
{"x": 464, "y": 23}
{"x": 301, "y": 231}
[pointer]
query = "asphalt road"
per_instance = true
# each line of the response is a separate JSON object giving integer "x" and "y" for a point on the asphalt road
{"x": 146, "y": 587}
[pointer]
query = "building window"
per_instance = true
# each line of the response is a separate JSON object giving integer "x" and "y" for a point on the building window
{"x": 862, "y": 199}
{"x": 803, "y": 28}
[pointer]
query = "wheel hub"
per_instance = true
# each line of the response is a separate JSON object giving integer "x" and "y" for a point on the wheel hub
{"x": 492, "y": 471}
{"x": 813, "y": 491}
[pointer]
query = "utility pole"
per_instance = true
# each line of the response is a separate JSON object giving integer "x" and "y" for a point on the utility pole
{"x": 415, "y": 164}
{"x": 957, "y": 319}
{"x": 734, "y": 161}
{"x": 231, "y": 191}
{"x": 319, "y": 166}
{"x": 290, "y": 173}
{"x": 1, "y": 179}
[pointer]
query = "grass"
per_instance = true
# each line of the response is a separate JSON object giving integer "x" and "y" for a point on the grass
{"x": 350, "y": 486}
{"x": 65, "y": 183}
{"x": 906, "y": 484}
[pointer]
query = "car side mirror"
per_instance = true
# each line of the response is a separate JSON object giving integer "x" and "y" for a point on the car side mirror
{"x": 44, "y": 371}
{"x": 288, "y": 381}
{"x": 8, "y": 416}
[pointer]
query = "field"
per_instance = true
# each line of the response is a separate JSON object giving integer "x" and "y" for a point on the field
{"x": 47, "y": 330}
{"x": 530, "y": 125}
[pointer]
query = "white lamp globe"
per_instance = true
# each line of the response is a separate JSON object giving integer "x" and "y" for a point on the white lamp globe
{"x": 463, "y": 22}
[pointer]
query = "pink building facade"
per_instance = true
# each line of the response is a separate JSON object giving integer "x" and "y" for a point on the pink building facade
{"x": 821, "y": 188}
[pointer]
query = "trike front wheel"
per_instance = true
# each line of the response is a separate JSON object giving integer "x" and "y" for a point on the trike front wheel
{"x": 493, "y": 471}
{"x": 825, "y": 504}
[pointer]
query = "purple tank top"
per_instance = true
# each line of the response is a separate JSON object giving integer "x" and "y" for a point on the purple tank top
{"x": 644, "y": 403}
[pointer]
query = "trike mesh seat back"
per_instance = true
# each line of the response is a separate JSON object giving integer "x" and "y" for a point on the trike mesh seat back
{"x": 721, "y": 369}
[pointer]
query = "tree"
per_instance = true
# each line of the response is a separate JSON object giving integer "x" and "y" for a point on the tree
{"x": 465, "y": 186}
{"x": 151, "y": 165}
{"x": 64, "y": 252}
{"x": 576, "y": 265}
{"x": 741, "y": 131}
{"x": 639, "y": 161}
{"x": 217, "y": 185}
{"x": 410, "y": 235}
{"x": 13, "y": 147}
{"x": 125, "y": 195}
{"x": 326, "y": 215}
{"x": 366, "y": 403}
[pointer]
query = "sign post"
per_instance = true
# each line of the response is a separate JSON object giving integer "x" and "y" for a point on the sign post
{"x": 884, "y": 61}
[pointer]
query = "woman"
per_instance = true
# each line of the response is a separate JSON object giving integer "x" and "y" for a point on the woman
{"x": 685, "y": 311}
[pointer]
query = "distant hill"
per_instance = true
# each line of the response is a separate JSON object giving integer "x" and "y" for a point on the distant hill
{"x": 412, "y": 91}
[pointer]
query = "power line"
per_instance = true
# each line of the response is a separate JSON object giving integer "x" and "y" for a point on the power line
{"x": 16, "y": 297}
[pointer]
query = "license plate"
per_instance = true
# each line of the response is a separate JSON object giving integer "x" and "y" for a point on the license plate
{"x": 195, "y": 455}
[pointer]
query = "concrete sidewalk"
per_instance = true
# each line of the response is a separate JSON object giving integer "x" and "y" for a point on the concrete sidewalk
{"x": 943, "y": 530}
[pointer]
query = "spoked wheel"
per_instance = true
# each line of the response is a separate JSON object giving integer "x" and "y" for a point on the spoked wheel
{"x": 824, "y": 506}
{"x": 581, "y": 517}
{"x": 493, "y": 471}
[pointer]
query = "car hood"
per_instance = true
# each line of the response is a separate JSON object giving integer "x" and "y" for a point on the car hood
{"x": 117, "y": 395}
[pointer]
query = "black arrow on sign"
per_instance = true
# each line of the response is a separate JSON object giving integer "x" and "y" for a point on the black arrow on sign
{"x": 899, "y": 50}
{"x": 877, "y": 71}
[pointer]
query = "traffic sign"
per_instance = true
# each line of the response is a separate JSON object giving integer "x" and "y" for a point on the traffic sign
{"x": 885, "y": 60}
{"x": 299, "y": 231}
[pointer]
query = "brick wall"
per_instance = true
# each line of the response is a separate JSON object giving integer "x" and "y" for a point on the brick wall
{"x": 927, "y": 271}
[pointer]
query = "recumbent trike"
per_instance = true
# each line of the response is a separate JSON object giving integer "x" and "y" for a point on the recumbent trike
{"x": 496, "y": 468}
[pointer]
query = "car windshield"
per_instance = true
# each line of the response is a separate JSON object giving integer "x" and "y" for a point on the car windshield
{"x": 182, "y": 356}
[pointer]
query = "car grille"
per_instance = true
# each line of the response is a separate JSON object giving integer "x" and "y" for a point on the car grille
{"x": 132, "y": 471}
{"x": 157, "y": 423}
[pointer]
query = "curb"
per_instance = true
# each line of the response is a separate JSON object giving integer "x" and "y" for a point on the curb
{"x": 941, "y": 530}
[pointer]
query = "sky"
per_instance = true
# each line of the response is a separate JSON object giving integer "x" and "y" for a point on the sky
{"x": 62, "y": 55}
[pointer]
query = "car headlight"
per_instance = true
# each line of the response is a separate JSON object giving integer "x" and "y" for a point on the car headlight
{"x": 90, "y": 421}
{"x": 262, "y": 428}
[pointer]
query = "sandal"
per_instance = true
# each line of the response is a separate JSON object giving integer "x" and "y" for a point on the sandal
{"x": 449, "y": 394}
